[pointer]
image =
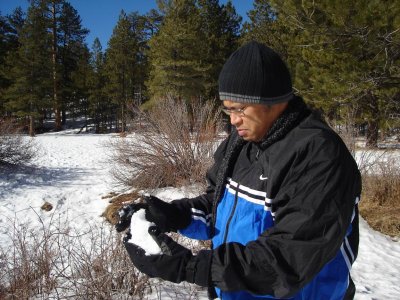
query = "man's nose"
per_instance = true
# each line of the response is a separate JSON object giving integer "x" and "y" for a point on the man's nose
{"x": 235, "y": 119}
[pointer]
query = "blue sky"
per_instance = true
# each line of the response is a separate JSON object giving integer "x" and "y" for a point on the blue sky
{"x": 100, "y": 16}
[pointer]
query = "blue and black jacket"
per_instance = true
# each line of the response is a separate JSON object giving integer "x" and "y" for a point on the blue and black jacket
{"x": 282, "y": 215}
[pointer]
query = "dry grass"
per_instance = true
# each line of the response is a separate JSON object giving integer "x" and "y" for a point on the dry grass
{"x": 380, "y": 205}
{"x": 380, "y": 199}
{"x": 382, "y": 218}
{"x": 117, "y": 201}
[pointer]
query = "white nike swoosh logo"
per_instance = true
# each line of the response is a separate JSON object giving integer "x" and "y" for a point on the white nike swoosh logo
{"x": 263, "y": 178}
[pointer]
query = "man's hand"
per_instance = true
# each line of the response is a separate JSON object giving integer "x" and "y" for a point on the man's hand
{"x": 175, "y": 264}
{"x": 125, "y": 215}
{"x": 165, "y": 215}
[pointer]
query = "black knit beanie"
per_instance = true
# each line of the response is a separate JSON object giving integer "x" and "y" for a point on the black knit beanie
{"x": 255, "y": 73}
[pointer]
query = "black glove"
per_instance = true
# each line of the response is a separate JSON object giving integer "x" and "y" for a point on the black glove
{"x": 175, "y": 264}
{"x": 167, "y": 216}
{"x": 125, "y": 215}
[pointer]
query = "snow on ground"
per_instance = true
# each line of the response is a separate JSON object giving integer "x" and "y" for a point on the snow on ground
{"x": 376, "y": 272}
{"x": 72, "y": 174}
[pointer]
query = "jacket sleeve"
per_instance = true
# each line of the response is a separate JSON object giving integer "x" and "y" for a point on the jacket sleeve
{"x": 315, "y": 204}
{"x": 200, "y": 207}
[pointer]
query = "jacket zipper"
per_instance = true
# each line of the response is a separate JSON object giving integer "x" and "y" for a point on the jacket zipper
{"x": 231, "y": 215}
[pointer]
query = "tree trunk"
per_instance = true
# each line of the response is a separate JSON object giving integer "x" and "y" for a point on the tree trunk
{"x": 123, "y": 122}
{"x": 372, "y": 134}
{"x": 373, "y": 121}
{"x": 56, "y": 100}
{"x": 64, "y": 117}
{"x": 31, "y": 126}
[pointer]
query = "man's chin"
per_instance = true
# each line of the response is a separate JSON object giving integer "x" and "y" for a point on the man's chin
{"x": 245, "y": 135}
{"x": 247, "y": 138}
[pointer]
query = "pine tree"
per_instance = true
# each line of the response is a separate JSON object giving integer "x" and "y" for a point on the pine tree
{"x": 121, "y": 66}
{"x": 30, "y": 74}
{"x": 176, "y": 53}
{"x": 67, "y": 41}
{"x": 5, "y": 29}
{"x": 10, "y": 28}
{"x": 61, "y": 37}
{"x": 78, "y": 95}
{"x": 343, "y": 55}
{"x": 231, "y": 23}
{"x": 152, "y": 22}
{"x": 190, "y": 47}
{"x": 73, "y": 57}
{"x": 53, "y": 10}
{"x": 99, "y": 107}
{"x": 143, "y": 28}
{"x": 264, "y": 26}
{"x": 220, "y": 26}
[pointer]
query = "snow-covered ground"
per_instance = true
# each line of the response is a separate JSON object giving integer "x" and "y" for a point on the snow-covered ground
{"x": 72, "y": 173}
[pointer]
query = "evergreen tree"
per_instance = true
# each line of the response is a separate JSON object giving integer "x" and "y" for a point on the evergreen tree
{"x": 31, "y": 72}
{"x": 10, "y": 28}
{"x": 55, "y": 27}
{"x": 73, "y": 58}
{"x": 5, "y": 29}
{"x": 78, "y": 95}
{"x": 176, "y": 52}
{"x": 190, "y": 47}
{"x": 99, "y": 106}
{"x": 264, "y": 26}
{"x": 67, "y": 41}
{"x": 231, "y": 23}
{"x": 143, "y": 28}
{"x": 220, "y": 26}
{"x": 121, "y": 66}
{"x": 53, "y": 10}
{"x": 152, "y": 22}
{"x": 342, "y": 55}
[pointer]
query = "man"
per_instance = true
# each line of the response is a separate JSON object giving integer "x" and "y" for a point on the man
{"x": 281, "y": 206}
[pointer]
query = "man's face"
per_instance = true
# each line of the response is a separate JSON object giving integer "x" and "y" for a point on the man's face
{"x": 255, "y": 120}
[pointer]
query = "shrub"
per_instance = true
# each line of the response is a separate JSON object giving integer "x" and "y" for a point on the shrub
{"x": 56, "y": 262}
{"x": 175, "y": 147}
{"x": 15, "y": 149}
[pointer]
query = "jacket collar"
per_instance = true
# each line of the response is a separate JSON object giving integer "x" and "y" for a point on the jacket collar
{"x": 296, "y": 111}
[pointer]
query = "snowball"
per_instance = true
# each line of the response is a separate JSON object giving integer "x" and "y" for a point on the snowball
{"x": 140, "y": 234}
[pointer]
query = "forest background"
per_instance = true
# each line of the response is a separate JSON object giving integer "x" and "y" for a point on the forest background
{"x": 344, "y": 59}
